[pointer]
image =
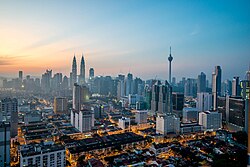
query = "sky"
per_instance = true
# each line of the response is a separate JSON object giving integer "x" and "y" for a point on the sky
{"x": 121, "y": 36}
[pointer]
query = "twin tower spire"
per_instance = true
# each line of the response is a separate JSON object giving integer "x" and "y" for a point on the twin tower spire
{"x": 81, "y": 77}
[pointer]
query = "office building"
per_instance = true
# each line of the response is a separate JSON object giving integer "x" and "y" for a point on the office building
{"x": 204, "y": 101}
{"x": 201, "y": 83}
{"x": 236, "y": 90}
{"x": 4, "y": 144}
{"x": 141, "y": 116}
{"x": 165, "y": 104}
{"x": 82, "y": 72}
{"x": 210, "y": 120}
{"x": 46, "y": 81}
{"x": 236, "y": 112}
{"x": 167, "y": 123}
{"x": 178, "y": 101}
{"x": 190, "y": 114}
{"x": 129, "y": 84}
{"x": 60, "y": 105}
{"x": 190, "y": 87}
{"x": 155, "y": 97}
{"x": 43, "y": 154}
{"x": 80, "y": 96}
{"x": 9, "y": 109}
{"x": 91, "y": 73}
{"x": 74, "y": 72}
{"x": 133, "y": 99}
{"x": 216, "y": 85}
{"x": 20, "y": 75}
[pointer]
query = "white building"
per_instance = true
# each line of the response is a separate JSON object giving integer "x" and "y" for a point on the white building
{"x": 204, "y": 101}
{"x": 72, "y": 117}
{"x": 82, "y": 120}
{"x": 86, "y": 120}
{"x": 167, "y": 123}
{"x": 141, "y": 116}
{"x": 43, "y": 154}
{"x": 4, "y": 144}
{"x": 210, "y": 120}
{"x": 190, "y": 114}
{"x": 124, "y": 123}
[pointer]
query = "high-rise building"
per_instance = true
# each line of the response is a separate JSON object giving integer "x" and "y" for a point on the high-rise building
{"x": 178, "y": 100}
{"x": 248, "y": 117}
{"x": 9, "y": 109}
{"x": 190, "y": 114}
{"x": 4, "y": 144}
{"x": 86, "y": 120}
{"x": 190, "y": 87}
{"x": 141, "y": 116}
{"x": 216, "y": 85}
{"x": 245, "y": 88}
{"x": 60, "y": 105}
{"x": 167, "y": 123}
{"x": 201, "y": 83}
{"x": 165, "y": 104}
{"x": 155, "y": 97}
{"x": 80, "y": 95}
{"x": 43, "y": 154}
{"x": 65, "y": 82}
{"x": 204, "y": 101}
{"x": 20, "y": 75}
{"x": 82, "y": 72}
{"x": 46, "y": 81}
{"x": 91, "y": 73}
{"x": 74, "y": 71}
{"x": 170, "y": 59}
{"x": 236, "y": 90}
{"x": 236, "y": 112}
{"x": 226, "y": 88}
{"x": 129, "y": 84}
{"x": 210, "y": 120}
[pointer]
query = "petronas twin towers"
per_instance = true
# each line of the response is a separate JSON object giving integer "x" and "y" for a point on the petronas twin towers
{"x": 73, "y": 74}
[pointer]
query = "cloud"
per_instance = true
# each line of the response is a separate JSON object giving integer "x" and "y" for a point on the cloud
{"x": 10, "y": 60}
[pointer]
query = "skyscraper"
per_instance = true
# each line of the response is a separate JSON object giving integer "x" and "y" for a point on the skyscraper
{"x": 60, "y": 105}
{"x": 80, "y": 95}
{"x": 155, "y": 97}
{"x": 216, "y": 85}
{"x": 165, "y": 104}
{"x": 82, "y": 71}
{"x": 46, "y": 81}
{"x": 91, "y": 73}
{"x": 10, "y": 112}
{"x": 201, "y": 85}
{"x": 170, "y": 59}
{"x": 74, "y": 71}
{"x": 129, "y": 84}
{"x": 20, "y": 75}
{"x": 4, "y": 144}
{"x": 236, "y": 86}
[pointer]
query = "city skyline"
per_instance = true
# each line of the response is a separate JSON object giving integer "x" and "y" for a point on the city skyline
{"x": 115, "y": 41}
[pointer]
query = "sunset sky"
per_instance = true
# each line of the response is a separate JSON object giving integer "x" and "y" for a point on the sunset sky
{"x": 118, "y": 36}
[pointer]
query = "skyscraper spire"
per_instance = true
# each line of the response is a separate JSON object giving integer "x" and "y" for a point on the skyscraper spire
{"x": 170, "y": 59}
{"x": 74, "y": 70}
{"x": 82, "y": 70}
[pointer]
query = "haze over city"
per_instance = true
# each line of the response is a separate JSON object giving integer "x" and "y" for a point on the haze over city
{"x": 125, "y": 36}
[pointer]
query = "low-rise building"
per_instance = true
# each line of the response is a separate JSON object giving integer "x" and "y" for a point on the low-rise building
{"x": 43, "y": 154}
